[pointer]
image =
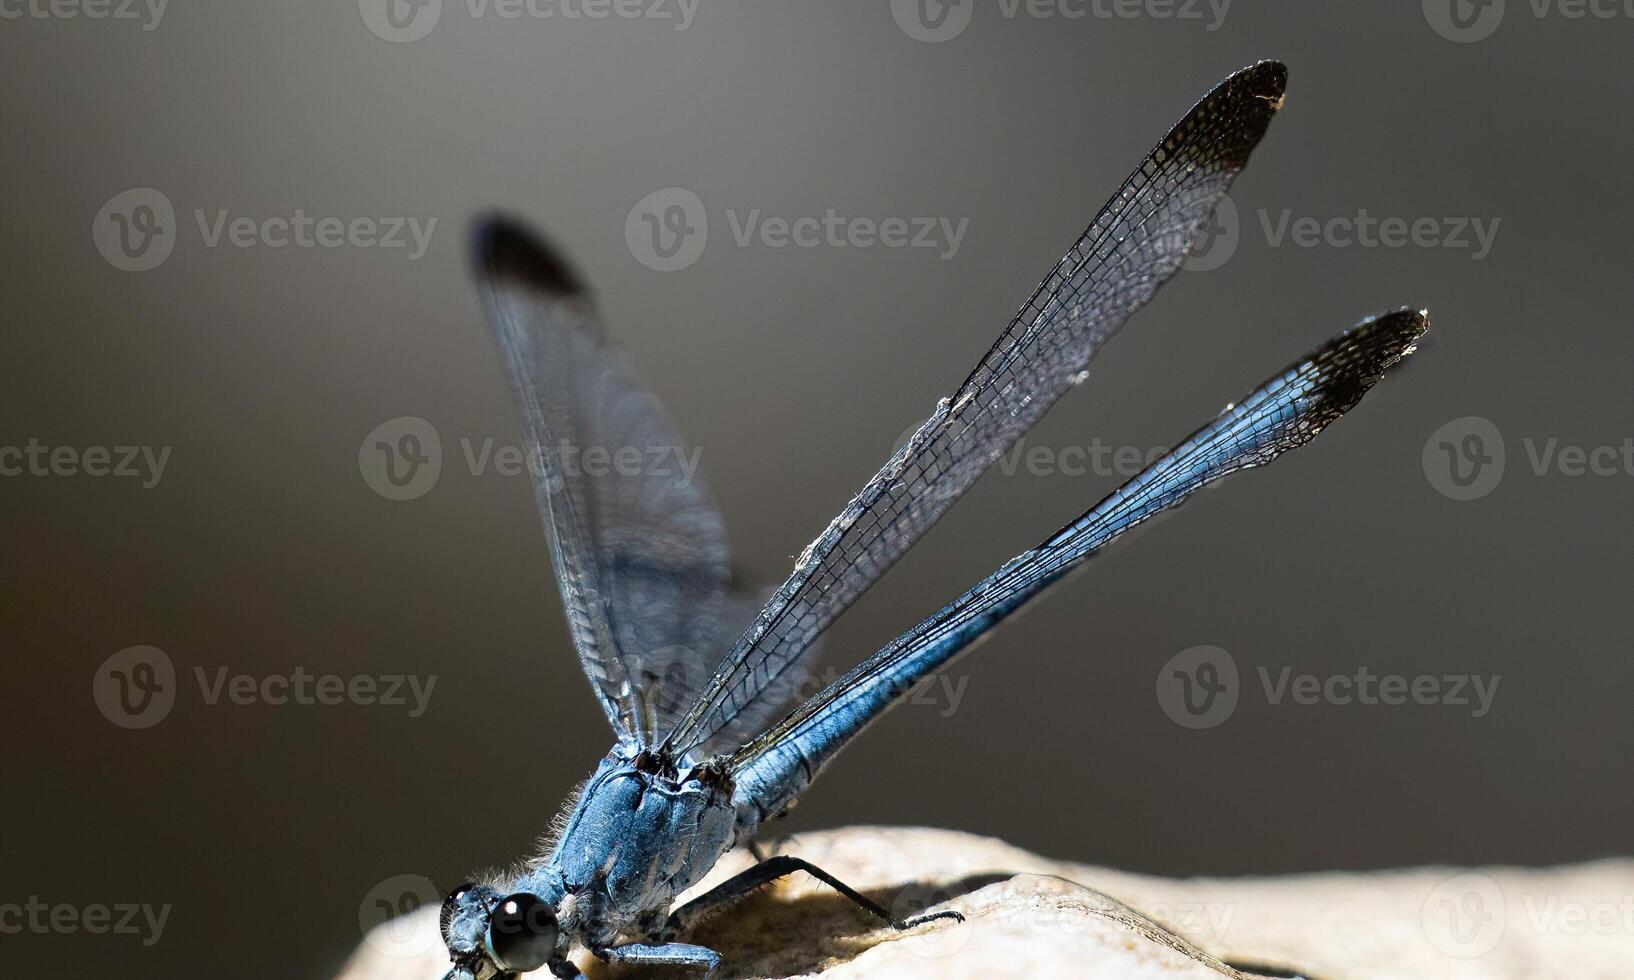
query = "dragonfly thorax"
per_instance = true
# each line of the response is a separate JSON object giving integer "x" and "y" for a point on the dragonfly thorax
{"x": 639, "y": 835}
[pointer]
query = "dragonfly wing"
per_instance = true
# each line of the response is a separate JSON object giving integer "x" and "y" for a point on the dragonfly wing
{"x": 778, "y": 696}
{"x": 675, "y": 674}
{"x": 1134, "y": 245}
{"x": 638, "y": 547}
{"x": 1284, "y": 413}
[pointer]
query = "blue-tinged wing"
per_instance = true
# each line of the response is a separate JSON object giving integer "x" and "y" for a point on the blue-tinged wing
{"x": 1134, "y": 245}
{"x": 639, "y": 550}
{"x": 1282, "y": 414}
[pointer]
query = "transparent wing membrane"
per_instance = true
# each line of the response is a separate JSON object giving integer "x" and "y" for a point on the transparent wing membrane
{"x": 639, "y": 550}
{"x": 1284, "y": 413}
{"x": 1133, "y": 246}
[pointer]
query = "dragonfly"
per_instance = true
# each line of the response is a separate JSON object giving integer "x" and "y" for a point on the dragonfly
{"x": 701, "y": 690}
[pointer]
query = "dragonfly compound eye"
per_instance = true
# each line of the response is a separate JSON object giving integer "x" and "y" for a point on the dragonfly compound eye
{"x": 451, "y": 906}
{"x": 521, "y": 933}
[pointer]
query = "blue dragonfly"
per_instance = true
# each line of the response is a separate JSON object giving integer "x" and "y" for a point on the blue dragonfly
{"x": 697, "y": 686}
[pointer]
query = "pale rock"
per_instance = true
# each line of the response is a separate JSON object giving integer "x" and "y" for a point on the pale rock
{"x": 1030, "y": 916}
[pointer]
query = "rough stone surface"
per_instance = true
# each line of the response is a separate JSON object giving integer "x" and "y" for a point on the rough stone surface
{"x": 1031, "y": 916}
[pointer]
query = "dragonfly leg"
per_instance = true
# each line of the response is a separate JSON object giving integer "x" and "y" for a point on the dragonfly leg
{"x": 663, "y": 954}
{"x": 758, "y": 852}
{"x": 565, "y": 969}
{"x": 771, "y": 869}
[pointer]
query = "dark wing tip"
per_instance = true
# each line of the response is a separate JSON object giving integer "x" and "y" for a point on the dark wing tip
{"x": 506, "y": 252}
{"x": 1225, "y": 125}
{"x": 1354, "y": 361}
{"x": 1269, "y": 76}
{"x": 1394, "y": 335}
{"x": 1266, "y": 81}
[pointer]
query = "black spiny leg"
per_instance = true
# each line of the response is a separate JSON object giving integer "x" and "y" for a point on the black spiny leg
{"x": 770, "y": 870}
{"x": 759, "y": 854}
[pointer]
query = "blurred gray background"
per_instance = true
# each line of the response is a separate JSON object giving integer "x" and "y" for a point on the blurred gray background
{"x": 270, "y": 829}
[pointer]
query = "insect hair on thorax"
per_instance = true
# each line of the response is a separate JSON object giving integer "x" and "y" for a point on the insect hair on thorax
{"x": 545, "y": 846}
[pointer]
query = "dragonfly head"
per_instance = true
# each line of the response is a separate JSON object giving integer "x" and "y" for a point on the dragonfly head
{"x": 494, "y": 937}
